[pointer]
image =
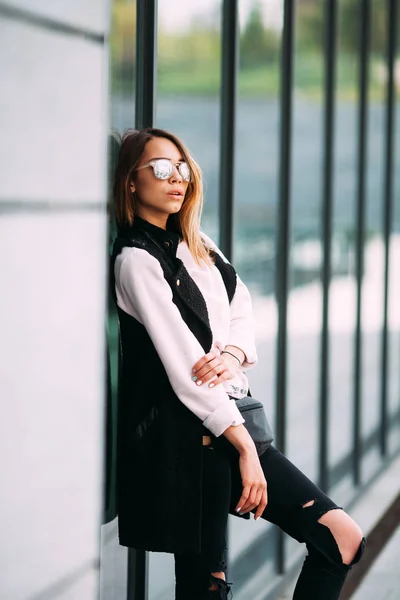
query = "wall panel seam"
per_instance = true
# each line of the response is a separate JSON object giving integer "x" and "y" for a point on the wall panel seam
{"x": 49, "y": 24}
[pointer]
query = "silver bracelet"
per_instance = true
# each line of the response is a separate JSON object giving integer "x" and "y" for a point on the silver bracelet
{"x": 234, "y": 356}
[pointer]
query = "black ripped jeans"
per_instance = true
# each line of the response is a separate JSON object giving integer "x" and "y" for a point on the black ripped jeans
{"x": 323, "y": 573}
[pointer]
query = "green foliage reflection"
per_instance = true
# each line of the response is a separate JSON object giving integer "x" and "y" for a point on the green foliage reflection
{"x": 189, "y": 60}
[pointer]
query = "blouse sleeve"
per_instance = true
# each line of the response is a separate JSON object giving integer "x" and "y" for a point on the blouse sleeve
{"x": 242, "y": 324}
{"x": 143, "y": 292}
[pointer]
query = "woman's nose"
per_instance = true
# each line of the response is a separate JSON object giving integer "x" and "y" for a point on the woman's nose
{"x": 175, "y": 175}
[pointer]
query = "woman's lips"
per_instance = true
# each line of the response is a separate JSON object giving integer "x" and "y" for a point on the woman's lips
{"x": 175, "y": 195}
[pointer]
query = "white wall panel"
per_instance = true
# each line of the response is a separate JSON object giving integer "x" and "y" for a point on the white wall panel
{"x": 53, "y": 115}
{"x": 53, "y": 239}
{"x": 51, "y": 380}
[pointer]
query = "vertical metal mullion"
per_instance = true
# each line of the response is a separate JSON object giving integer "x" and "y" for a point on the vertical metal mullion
{"x": 146, "y": 62}
{"x": 137, "y": 588}
{"x": 283, "y": 242}
{"x": 387, "y": 213}
{"x": 326, "y": 230}
{"x": 364, "y": 31}
{"x": 146, "y": 67}
{"x": 229, "y": 67}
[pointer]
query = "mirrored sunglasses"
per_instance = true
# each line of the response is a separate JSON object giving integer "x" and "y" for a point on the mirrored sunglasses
{"x": 163, "y": 167}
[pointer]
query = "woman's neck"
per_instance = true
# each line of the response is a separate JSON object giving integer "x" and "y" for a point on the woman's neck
{"x": 159, "y": 220}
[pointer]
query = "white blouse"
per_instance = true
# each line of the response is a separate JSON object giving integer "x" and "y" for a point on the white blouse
{"x": 143, "y": 293}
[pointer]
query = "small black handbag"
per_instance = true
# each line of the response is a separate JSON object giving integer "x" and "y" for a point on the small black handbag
{"x": 256, "y": 422}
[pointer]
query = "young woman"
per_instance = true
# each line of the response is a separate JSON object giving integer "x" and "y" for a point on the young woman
{"x": 186, "y": 340}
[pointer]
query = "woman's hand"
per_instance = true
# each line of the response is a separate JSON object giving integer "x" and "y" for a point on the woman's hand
{"x": 215, "y": 368}
{"x": 254, "y": 494}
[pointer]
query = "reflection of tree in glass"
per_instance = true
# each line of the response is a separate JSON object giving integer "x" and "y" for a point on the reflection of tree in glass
{"x": 122, "y": 45}
{"x": 349, "y": 25}
{"x": 258, "y": 44}
{"x": 310, "y": 24}
{"x": 189, "y": 59}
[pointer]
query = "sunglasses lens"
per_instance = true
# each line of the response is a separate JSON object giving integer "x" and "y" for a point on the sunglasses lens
{"x": 162, "y": 169}
{"x": 184, "y": 171}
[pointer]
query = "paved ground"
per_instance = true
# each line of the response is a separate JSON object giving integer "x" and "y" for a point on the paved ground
{"x": 383, "y": 580}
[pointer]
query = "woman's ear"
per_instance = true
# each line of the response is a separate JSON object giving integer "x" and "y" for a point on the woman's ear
{"x": 132, "y": 187}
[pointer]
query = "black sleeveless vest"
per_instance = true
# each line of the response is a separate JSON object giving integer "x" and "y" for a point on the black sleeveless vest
{"x": 159, "y": 438}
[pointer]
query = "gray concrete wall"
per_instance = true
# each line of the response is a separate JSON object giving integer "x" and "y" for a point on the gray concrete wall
{"x": 53, "y": 126}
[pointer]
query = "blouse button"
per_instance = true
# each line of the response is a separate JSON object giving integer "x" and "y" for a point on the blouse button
{"x": 166, "y": 245}
{"x": 178, "y": 282}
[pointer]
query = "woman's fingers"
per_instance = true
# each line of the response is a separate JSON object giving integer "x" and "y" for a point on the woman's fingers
{"x": 254, "y": 496}
{"x": 250, "y": 500}
{"x": 262, "y": 505}
{"x": 220, "y": 378}
{"x": 204, "y": 360}
{"x": 243, "y": 498}
{"x": 213, "y": 368}
{"x": 255, "y": 499}
{"x": 258, "y": 499}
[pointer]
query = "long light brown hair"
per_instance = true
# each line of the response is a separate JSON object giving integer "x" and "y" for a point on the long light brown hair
{"x": 188, "y": 218}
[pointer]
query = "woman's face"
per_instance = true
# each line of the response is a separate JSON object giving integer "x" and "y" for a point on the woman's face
{"x": 156, "y": 199}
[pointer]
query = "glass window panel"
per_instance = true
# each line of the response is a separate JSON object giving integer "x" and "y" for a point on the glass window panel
{"x": 161, "y": 576}
{"x": 342, "y": 300}
{"x": 394, "y": 275}
{"x": 372, "y": 292}
{"x": 188, "y": 88}
{"x": 113, "y": 564}
{"x": 255, "y": 218}
{"x": 305, "y": 307}
{"x": 122, "y": 64}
